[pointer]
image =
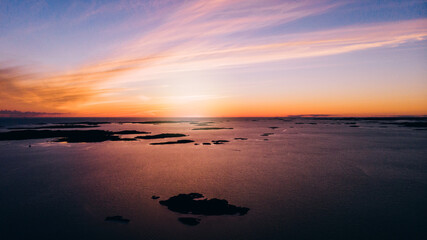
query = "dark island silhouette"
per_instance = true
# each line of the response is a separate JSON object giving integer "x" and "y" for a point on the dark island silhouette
{"x": 417, "y": 125}
{"x": 131, "y": 132}
{"x": 219, "y": 141}
{"x": 211, "y": 128}
{"x": 81, "y": 136}
{"x": 156, "y": 122}
{"x": 89, "y": 123}
{"x": 173, "y": 142}
{"x": 266, "y": 134}
{"x": 240, "y": 138}
{"x": 59, "y": 126}
{"x": 70, "y": 136}
{"x": 193, "y": 204}
{"x": 162, "y": 135}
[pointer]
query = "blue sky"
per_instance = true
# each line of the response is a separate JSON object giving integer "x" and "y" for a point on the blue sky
{"x": 225, "y": 58}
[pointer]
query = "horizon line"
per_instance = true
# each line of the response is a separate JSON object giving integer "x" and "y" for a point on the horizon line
{"x": 288, "y": 116}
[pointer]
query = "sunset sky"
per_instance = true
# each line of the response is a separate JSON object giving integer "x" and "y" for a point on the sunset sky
{"x": 222, "y": 58}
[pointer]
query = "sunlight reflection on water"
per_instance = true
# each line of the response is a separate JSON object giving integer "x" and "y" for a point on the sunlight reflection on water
{"x": 305, "y": 181}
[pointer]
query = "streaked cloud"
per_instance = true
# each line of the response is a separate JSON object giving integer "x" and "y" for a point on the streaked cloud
{"x": 196, "y": 36}
{"x": 15, "y": 113}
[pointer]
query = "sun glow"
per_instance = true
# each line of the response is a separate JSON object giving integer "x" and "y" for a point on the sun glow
{"x": 219, "y": 58}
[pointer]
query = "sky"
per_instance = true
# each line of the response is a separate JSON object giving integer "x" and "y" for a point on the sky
{"x": 213, "y": 58}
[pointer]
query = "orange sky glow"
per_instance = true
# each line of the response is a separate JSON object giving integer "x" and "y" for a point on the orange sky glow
{"x": 215, "y": 59}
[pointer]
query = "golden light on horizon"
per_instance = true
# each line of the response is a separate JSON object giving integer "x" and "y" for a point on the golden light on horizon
{"x": 244, "y": 63}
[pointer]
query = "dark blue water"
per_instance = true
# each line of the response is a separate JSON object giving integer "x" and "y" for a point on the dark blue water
{"x": 310, "y": 179}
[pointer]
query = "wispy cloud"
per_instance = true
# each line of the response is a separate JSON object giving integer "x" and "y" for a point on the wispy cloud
{"x": 312, "y": 44}
{"x": 199, "y": 35}
{"x": 64, "y": 89}
{"x": 15, "y": 113}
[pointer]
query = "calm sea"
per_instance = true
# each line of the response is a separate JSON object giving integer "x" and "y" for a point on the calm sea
{"x": 309, "y": 179}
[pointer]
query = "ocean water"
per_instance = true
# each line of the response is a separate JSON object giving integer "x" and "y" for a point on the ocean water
{"x": 319, "y": 178}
